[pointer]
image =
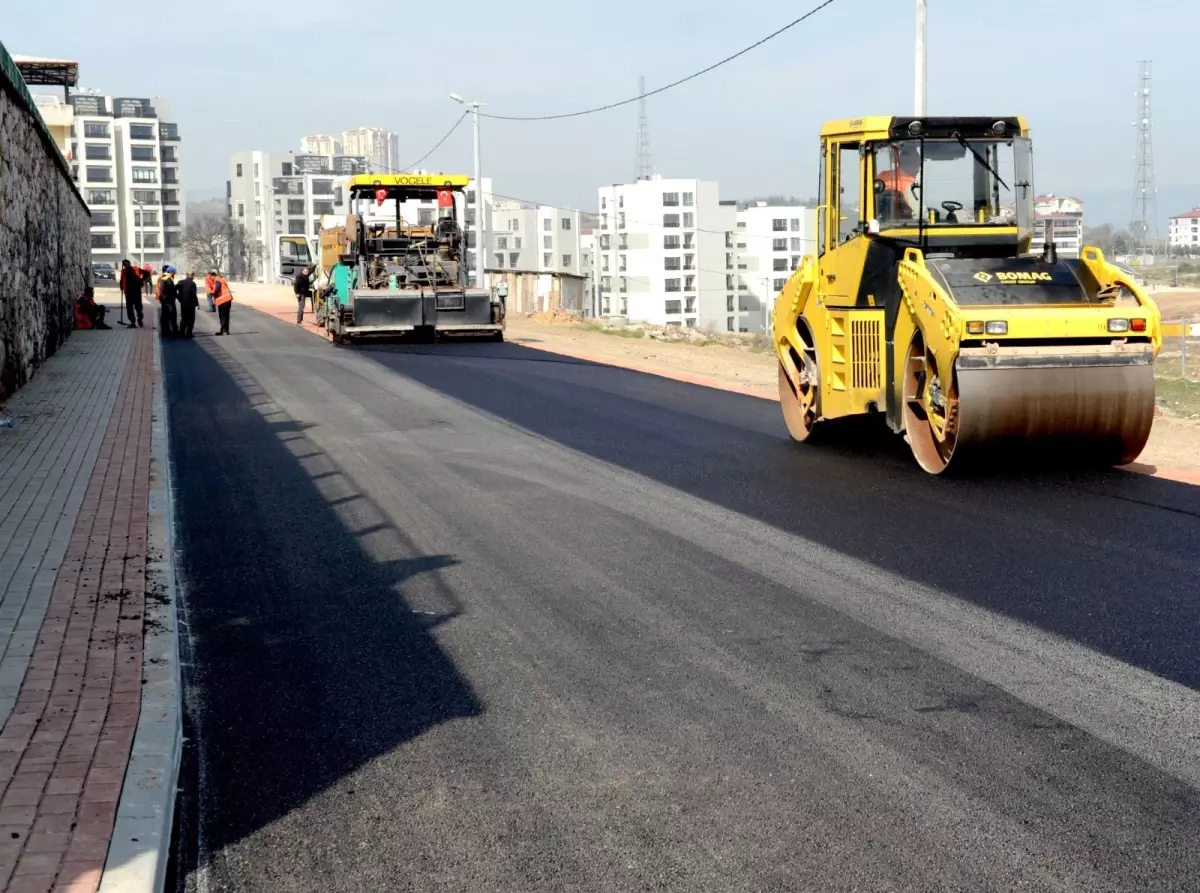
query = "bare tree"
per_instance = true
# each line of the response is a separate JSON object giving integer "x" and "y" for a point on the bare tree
{"x": 207, "y": 242}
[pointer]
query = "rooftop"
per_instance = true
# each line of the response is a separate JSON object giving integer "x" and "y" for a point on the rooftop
{"x": 1195, "y": 212}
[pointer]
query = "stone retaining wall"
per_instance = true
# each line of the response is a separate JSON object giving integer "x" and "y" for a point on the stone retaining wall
{"x": 45, "y": 238}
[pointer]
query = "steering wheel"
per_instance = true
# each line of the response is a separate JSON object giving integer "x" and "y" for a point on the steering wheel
{"x": 951, "y": 207}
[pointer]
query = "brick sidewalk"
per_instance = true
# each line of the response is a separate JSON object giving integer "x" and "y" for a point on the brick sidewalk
{"x": 75, "y": 479}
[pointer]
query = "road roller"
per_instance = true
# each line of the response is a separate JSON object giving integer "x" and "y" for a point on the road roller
{"x": 928, "y": 302}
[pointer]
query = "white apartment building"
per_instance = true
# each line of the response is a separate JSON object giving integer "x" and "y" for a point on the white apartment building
{"x": 1065, "y": 214}
{"x": 1184, "y": 232}
{"x": 320, "y": 144}
{"x": 536, "y": 239}
{"x": 127, "y": 159}
{"x": 771, "y": 241}
{"x": 380, "y": 147}
{"x": 666, "y": 254}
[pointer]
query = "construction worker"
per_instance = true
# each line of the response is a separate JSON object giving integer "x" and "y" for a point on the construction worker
{"x": 188, "y": 302}
{"x": 896, "y": 197}
{"x": 165, "y": 291}
{"x": 302, "y": 286}
{"x": 210, "y": 282}
{"x": 223, "y": 298}
{"x": 131, "y": 288}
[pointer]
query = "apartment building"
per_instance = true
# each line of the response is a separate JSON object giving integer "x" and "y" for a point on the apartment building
{"x": 126, "y": 156}
{"x": 1065, "y": 214}
{"x": 536, "y": 239}
{"x": 380, "y": 147}
{"x": 321, "y": 144}
{"x": 771, "y": 240}
{"x": 666, "y": 254}
{"x": 1184, "y": 232}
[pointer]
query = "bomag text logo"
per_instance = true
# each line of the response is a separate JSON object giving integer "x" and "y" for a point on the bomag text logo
{"x": 983, "y": 277}
{"x": 1024, "y": 278}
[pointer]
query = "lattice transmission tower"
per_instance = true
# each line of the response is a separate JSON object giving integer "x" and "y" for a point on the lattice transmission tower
{"x": 1145, "y": 192}
{"x": 643, "y": 170}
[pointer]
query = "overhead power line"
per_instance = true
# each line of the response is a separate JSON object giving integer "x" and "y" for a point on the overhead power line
{"x": 435, "y": 148}
{"x": 691, "y": 77}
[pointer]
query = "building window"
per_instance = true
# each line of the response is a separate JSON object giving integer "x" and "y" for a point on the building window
{"x": 671, "y": 241}
{"x": 256, "y": 170}
{"x": 141, "y": 153}
{"x": 691, "y": 323}
{"x": 621, "y": 262}
{"x": 239, "y": 170}
{"x": 469, "y": 217}
{"x": 547, "y": 224}
{"x": 689, "y": 261}
{"x": 547, "y": 241}
{"x": 295, "y": 227}
{"x": 779, "y": 263}
{"x": 316, "y": 224}
{"x": 502, "y": 243}
{"x": 604, "y": 263}
{"x": 145, "y": 218}
{"x": 689, "y": 219}
{"x": 729, "y": 324}
{"x": 516, "y": 225}
{"x": 296, "y": 206}
{"x": 517, "y": 242}
{"x": 96, "y": 129}
{"x": 103, "y": 218}
{"x": 96, "y": 153}
{"x": 499, "y": 260}
{"x": 673, "y": 285}
{"x": 779, "y": 245}
{"x": 174, "y": 240}
{"x": 322, "y": 187}
{"x": 566, "y": 260}
{"x": 241, "y": 209}
{"x": 146, "y": 196}
{"x": 795, "y": 261}
{"x": 102, "y": 240}
{"x": 795, "y": 224}
{"x": 672, "y": 263}
{"x": 728, "y": 261}
{"x": 797, "y": 244}
{"x": 151, "y": 240}
{"x": 689, "y": 305}
{"x": 671, "y": 221}
{"x": 141, "y": 132}
{"x": 170, "y": 175}
{"x": 102, "y": 197}
{"x": 603, "y": 203}
{"x": 689, "y": 283}
{"x": 603, "y": 221}
{"x": 513, "y": 258}
{"x": 670, "y": 199}
{"x": 547, "y": 260}
{"x": 688, "y": 199}
{"x": 566, "y": 223}
{"x": 170, "y": 196}
{"x": 470, "y": 196}
{"x": 689, "y": 240}
{"x": 623, "y": 283}
{"x": 623, "y": 241}
{"x": 620, "y": 220}
{"x": 620, "y": 201}
{"x": 145, "y": 175}
{"x": 605, "y": 283}
{"x": 672, "y": 307}
{"x": 424, "y": 216}
{"x": 729, "y": 303}
{"x": 322, "y": 207}
{"x": 779, "y": 225}
{"x": 99, "y": 174}
{"x": 779, "y": 284}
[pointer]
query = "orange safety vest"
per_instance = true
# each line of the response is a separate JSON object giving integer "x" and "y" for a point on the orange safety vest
{"x": 209, "y": 282}
{"x": 226, "y": 294}
{"x": 897, "y": 181}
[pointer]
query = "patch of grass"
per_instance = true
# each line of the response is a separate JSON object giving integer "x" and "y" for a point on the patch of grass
{"x": 624, "y": 333}
{"x": 1179, "y": 397}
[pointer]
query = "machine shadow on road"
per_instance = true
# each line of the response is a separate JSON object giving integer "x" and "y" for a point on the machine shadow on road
{"x": 307, "y": 655}
{"x": 1106, "y": 559}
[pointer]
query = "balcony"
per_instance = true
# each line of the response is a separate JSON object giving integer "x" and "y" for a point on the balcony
{"x": 168, "y": 133}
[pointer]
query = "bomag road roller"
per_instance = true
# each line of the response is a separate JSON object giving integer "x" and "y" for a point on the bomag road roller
{"x": 927, "y": 301}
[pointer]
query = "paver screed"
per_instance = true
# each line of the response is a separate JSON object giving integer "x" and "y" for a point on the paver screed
{"x": 65, "y": 744}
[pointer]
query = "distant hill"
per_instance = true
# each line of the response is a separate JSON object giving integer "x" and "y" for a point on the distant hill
{"x": 208, "y": 208}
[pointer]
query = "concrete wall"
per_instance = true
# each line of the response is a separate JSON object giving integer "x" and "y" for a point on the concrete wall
{"x": 45, "y": 241}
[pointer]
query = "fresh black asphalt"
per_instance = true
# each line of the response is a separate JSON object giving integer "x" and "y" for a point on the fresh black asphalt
{"x": 474, "y": 617}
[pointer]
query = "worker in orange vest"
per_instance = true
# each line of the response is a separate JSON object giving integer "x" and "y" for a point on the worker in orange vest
{"x": 223, "y": 298}
{"x": 210, "y": 282}
{"x": 895, "y": 200}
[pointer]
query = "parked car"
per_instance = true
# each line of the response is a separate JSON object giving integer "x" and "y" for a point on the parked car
{"x": 102, "y": 272}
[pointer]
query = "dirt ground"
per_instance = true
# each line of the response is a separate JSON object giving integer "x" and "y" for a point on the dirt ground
{"x": 1177, "y": 303}
{"x": 1174, "y": 447}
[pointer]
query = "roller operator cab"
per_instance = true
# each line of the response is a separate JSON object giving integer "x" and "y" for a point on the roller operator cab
{"x": 924, "y": 303}
{"x": 397, "y": 263}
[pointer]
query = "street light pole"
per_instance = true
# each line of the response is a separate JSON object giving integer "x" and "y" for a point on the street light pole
{"x": 920, "y": 87}
{"x": 480, "y": 213}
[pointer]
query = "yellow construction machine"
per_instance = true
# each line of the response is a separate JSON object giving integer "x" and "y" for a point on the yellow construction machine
{"x": 925, "y": 302}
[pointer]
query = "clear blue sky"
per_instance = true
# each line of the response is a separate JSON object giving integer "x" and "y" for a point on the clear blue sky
{"x": 263, "y": 74}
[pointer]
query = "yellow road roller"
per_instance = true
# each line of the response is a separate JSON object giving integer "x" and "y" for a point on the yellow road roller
{"x": 927, "y": 301}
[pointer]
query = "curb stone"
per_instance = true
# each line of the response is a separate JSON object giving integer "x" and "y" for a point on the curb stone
{"x": 139, "y": 851}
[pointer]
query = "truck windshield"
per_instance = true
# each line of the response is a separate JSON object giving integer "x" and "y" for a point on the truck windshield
{"x": 950, "y": 182}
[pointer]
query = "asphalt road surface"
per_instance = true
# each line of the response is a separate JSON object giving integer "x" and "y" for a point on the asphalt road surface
{"x": 478, "y": 618}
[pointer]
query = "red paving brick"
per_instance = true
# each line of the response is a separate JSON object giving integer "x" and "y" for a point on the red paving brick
{"x": 65, "y": 746}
